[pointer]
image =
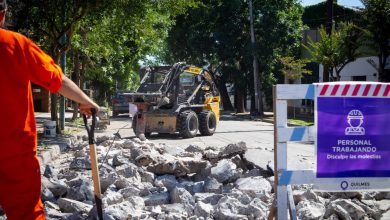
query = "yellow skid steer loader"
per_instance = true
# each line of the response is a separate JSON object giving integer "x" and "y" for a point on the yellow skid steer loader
{"x": 179, "y": 98}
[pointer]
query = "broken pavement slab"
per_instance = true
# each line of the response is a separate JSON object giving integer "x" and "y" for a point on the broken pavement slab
{"x": 49, "y": 149}
{"x": 135, "y": 181}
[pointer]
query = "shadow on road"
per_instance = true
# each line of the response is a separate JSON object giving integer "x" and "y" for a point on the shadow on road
{"x": 229, "y": 117}
{"x": 222, "y": 132}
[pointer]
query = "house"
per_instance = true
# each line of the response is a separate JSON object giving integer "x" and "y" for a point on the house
{"x": 361, "y": 69}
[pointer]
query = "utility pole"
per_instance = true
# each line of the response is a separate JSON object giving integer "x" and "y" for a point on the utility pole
{"x": 62, "y": 98}
{"x": 328, "y": 27}
{"x": 256, "y": 77}
{"x": 63, "y": 67}
{"x": 329, "y": 16}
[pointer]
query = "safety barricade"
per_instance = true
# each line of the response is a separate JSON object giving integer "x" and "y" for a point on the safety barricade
{"x": 351, "y": 135}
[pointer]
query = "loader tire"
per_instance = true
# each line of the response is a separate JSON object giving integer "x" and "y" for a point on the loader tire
{"x": 188, "y": 125}
{"x": 134, "y": 126}
{"x": 207, "y": 123}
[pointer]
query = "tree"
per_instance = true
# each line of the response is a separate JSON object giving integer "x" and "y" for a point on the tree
{"x": 314, "y": 16}
{"x": 337, "y": 49}
{"x": 377, "y": 22}
{"x": 218, "y": 34}
{"x": 109, "y": 37}
{"x": 294, "y": 68}
{"x": 51, "y": 23}
{"x": 114, "y": 41}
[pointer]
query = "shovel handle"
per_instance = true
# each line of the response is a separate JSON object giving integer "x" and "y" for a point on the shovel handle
{"x": 94, "y": 163}
{"x": 90, "y": 129}
{"x": 96, "y": 180}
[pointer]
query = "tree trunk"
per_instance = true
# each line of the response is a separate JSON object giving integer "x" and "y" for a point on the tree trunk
{"x": 325, "y": 74}
{"x": 240, "y": 94}
{"x": 381, "y": 68}
{"x": 76, "y": 79}
{"x": 235, "y": 99}
{"x": 246, "y": 100}
{"x": 253, "y": 104}
{"x": 53, "y": 108}
{"x": 54, "y": 100}
{"x": 225, "y": 99}
{"x": 338, "y": 76}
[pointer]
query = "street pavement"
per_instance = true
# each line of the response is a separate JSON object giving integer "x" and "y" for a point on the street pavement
{"x": 258, "y": 135}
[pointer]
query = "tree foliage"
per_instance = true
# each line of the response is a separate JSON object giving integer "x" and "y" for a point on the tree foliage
{"x": 114, "y": 41}
{"x": 337, "y": 49}
{"x": 47, "y": 21}
{"x": 294, "y": 68}
{"x": 51, "y": 23}
{"x": 314, "y": 16}
{"x": 108, "y": 37}
{"x": 377, "y": 22}
{"x": 219, "y": 34}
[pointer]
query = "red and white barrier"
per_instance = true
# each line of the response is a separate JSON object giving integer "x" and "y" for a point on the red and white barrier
{"x": 353, "y": 89}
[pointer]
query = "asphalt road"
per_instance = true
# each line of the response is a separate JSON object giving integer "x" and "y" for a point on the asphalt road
{"x": 258, "y": 136}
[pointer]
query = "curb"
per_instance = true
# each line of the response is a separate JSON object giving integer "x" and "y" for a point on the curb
{"x": 49, "y": 149}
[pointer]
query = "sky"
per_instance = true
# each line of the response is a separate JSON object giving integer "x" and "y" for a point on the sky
{"x": 347, "y": 3}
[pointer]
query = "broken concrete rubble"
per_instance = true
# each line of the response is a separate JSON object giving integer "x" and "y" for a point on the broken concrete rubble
{"x": 253, "y": 185}
{"x": 309, "y": 209}
{"x": 56, "y": 187}
{"x": 212, "y": 185}
{"x": 203, "y": 210}
{"x": 178, "y": 167}
{"x": 230, "y": 208}
{"x": 157, "y": 198}
{"x": 72, "y": 206}
{"x": 182, "y": 196}
{"x": 168, "y": 181}
{"x": 353, "y": 210}
{"x": 225, "y": 171}
{"x": 142, "y": 180}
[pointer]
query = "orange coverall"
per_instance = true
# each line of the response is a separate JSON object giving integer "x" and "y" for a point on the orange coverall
{"x": 21, "y": 62}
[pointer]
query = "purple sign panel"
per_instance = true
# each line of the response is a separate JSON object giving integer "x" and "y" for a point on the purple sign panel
{"x": 353, "y": 137}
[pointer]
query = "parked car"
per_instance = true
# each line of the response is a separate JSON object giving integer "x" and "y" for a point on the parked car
{"x": 120, "y": 105}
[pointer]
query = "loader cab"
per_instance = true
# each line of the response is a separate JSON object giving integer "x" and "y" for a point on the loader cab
{"x": 193, "y": 81}
{"x": 187, "y": 84}
{"x": 153, "y": 79}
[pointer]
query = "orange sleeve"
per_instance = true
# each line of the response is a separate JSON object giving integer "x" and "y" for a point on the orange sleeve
{"x": 42, "y": 69}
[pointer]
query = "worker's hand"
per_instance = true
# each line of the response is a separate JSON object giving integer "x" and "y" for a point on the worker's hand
{"x": 85, "y": 108}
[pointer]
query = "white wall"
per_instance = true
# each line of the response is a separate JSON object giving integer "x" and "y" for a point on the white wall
{"x": 360, "y": 67}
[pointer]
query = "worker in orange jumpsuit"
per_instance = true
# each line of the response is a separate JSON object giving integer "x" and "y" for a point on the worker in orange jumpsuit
{"x": 22, "y": 62}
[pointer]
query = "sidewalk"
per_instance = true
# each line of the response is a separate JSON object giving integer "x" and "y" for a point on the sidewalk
{"x": 49, "y": 148}
{"x": 41, "y": 117}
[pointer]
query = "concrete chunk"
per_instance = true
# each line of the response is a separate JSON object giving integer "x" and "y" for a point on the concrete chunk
{"x": 203, "y": 210}
{"x": 225, "y": 171}
{"x": 255, "y": 184}
{"x": 157, "y": 199}
{"x": 73, "y": 206}
{"x": 211, "y": 185}
{"x": 309, "y": 209}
